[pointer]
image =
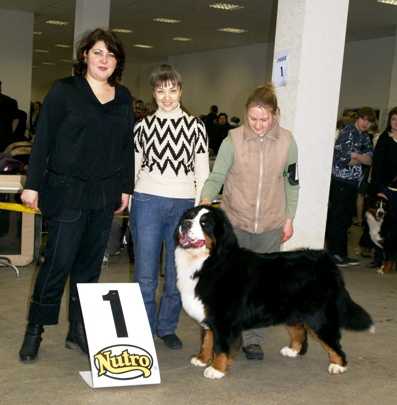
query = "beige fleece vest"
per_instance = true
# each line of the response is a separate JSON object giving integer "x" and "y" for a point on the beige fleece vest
{"x": 254, "y": 193}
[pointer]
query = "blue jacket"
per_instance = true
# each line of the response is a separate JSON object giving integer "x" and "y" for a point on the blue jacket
{"x": 350, "y": 140}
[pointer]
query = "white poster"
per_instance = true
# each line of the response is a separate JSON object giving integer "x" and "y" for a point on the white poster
{"x": 120, "y": 341}
{"x": 280, "y": 69}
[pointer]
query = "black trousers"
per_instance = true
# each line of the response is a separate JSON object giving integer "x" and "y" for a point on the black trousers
{"x": 76, "y": 244}
{"x": 341, "y": 208}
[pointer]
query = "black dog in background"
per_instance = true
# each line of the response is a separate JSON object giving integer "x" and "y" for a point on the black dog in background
{"x": 382, "y": 224}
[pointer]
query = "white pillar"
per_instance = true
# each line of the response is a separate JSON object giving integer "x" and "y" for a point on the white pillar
{"x": 16, "y": 56}
{"x": 90, "y": 14}
{"x": 312, "y": 33}
{"x": 393, "y": 82}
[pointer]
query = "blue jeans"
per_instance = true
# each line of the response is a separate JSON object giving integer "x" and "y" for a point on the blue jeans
{"x": 153, "y": 221}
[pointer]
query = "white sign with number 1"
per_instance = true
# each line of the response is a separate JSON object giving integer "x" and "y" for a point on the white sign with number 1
{"x": 120, "y": 342}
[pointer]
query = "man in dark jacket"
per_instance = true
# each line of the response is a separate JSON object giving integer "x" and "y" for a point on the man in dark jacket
{"x": 8, "y": 111}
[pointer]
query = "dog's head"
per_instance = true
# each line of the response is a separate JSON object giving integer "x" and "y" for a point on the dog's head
{"x": 205, "y": 226}
{"x": 378, "y": 206}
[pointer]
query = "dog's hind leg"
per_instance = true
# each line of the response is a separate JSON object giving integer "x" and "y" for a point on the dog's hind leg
{"x": 387, "y": 266}
{"x": 206, "y": 351}
{"x": 329, "y": 338}
{"x": 298, "y": 341}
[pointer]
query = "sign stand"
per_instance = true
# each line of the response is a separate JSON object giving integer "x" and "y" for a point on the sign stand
{"x": 120, "y": 342}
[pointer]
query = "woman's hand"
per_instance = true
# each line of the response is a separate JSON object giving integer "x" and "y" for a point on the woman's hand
{"x": 288, "y": 230}
{"x": 205, "y": 201}
{"x": 125, "y": 198}
{"x": 30, "y": 198}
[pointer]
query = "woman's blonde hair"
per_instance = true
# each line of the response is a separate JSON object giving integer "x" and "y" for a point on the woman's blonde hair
{"x": 263, "y": 96}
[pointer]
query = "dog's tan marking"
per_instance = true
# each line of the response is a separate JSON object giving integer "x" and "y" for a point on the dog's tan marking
{"x": 334, "y": 358}
{"x": 221, "y": 362}
{"x": 297, "y": 334}
{"x": 207, "y": 346}
{"x": 387, "y": 266}
{"x": 209, "y": 242}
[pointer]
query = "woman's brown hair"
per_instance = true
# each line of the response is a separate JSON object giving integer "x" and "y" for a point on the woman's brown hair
{"x": 113, "y": 44}
{"x": 263, "y": 96}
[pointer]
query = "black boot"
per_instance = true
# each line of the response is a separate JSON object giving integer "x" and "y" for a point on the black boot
{"x": 31, "y": 343}
{"x": 76, "y": 338}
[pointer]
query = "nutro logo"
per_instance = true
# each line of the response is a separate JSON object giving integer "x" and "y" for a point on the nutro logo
{"x": 123, "y": 362}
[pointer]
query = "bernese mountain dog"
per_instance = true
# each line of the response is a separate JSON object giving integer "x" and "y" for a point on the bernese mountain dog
{"x": 382, "y": 225}
{"x": 228, "y": 289}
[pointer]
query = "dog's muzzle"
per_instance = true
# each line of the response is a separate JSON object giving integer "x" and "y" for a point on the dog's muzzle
{"x": 185, "y": 240}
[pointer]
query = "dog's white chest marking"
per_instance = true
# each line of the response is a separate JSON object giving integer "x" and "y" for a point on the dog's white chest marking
{"x": 187, "y": 264}
{"x": 374, "y": 229}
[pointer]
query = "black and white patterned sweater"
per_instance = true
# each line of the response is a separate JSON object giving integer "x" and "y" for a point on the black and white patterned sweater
{"x": 171, "y": 155}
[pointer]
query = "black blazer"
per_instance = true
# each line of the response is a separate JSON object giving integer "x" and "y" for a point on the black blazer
{"x": 82, "y": 155}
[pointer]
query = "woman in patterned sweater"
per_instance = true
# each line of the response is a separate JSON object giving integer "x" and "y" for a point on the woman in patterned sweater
{"x": 171, "y": 165}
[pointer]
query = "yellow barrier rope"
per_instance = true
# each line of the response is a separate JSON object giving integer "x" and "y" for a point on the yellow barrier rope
{"x": 22, "y": 208}
{"x": 18, "y": 208}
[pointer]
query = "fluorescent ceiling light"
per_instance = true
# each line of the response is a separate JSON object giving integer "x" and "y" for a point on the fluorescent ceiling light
{"x": 37, "y": 32}
{"x": 232, "y": 30}
{"x": 122, "y": 30}
{"x": 62, "y": 46}
{"x": 392, "y": 2}
{"x": 142, "y": 46}
{"x": 48, "y": 63}
{"x": 166, "y": 20}
{"x": 41, "y": 50}
{"x": 182, "y": 39}
{"x": 226, "y": 6}
{"x": 56, "y": 22}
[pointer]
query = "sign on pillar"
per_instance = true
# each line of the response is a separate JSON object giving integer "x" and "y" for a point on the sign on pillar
{"x": 120, "y": 342}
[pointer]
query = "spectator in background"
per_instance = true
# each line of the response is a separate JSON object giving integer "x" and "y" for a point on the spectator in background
{"x": 210, "y": 121}
{"x": 220, "y": 131}
{"x": 35, "y": 108}
{"x": 139, "y": 110}
{"x": 8, "y": 113}
{"x": 352, "y": 151}
{"x": 384, "y": 168}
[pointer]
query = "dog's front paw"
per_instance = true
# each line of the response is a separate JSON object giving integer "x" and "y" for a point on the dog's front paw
{"x": 288, "y": 352}
{"x": 213, "y": 374}
{"x": 336, "y": 369}
{"x": 197, "y": 362}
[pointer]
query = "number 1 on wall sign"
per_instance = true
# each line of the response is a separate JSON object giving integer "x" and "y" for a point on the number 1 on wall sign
{"x": 118, "y": 316}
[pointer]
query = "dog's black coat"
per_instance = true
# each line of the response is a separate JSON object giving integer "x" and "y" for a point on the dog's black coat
{"x": 241, "y": 289}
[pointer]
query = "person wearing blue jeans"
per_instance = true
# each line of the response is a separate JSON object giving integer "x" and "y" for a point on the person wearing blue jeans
{"x": 154, "y": 220}
{"x": 171, "y": 163}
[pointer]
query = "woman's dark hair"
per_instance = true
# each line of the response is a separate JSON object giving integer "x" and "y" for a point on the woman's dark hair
{"x": 265, "y": 97}
{"x": 163, "y": 74}
{"x": 113, "y": 44}
{"x": 392, "y": 112}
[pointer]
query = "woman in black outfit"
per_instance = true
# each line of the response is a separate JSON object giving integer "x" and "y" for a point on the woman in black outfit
{"x": 80, "y": 173}
{"x": 384, "y": 163}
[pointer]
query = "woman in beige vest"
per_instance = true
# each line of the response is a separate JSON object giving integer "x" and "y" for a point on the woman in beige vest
{"x": 257, "y": 165}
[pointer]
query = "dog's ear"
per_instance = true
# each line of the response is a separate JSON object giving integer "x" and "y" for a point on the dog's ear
{"x": 223, "y": 231}
{"x": 181, "y": 219}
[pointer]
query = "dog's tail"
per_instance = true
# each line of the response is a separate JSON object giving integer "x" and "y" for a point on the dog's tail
{"x": 353, "y": 316}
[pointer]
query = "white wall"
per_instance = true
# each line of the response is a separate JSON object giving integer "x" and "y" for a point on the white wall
{"x": 226, "y": 76}
{"x": 16, "y": 56}
{"x": 223, "y": 77}
{"x": 366, "y": 74}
